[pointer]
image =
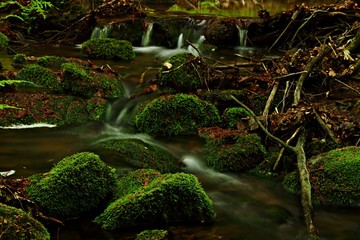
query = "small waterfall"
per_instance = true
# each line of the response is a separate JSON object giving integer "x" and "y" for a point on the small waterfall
{"x": 180, "y": 41}
{"x": 145, "y": 41}
{"x": 101, "y": 32}
{"x": 242, "y": 36}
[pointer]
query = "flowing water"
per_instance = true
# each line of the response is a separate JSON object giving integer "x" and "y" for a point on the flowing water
{"x": 248, "y": 207}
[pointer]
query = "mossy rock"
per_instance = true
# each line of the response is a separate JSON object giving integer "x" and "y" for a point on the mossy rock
{"x": 77, "y": 81}
{"x": 77, "y": 184}
{"x": 39, "y": 75}
{"x": 97, "y": 108}
{"x": 138, "y": 154}
{"x": 51, "y": 61}
{"x": 154, "y": 234}
{"x": 335, "y": 178}
{"x": 19, "y": 58}
{"x": 168, "y": 198}
{"x": 29, "y": 108}
{"x": 178, "y": 114}
{"x": 232, "y": 116}
{"x": 235, "y": 154}
{"x": 108, "y": 48}
{"x": 181, "y": 73}
{"x": 4, "y": 41}
{"x": 17, "y": 224}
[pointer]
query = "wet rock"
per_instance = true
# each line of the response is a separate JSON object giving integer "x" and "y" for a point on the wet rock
{"x": 222, "y": 32}
{"x": 178, "y": 114}
{"x": 77, "y": 184}
{"x": 334, "y": 178}
{"x": 108, "y": 48}
{"x": 152, "y": 200}
{"x": 152, "y": 234}
{"x": 17, "y": 224}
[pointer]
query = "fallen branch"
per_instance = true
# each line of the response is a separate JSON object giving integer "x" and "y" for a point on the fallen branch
{"x": 308, "y": 69}
{"x": 301, "y": 164}
{"x": 325, "y": 127}
{"x": 270, "y": 99}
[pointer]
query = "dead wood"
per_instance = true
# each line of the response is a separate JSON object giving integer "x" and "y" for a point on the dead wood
{"x": 304, "y": 173}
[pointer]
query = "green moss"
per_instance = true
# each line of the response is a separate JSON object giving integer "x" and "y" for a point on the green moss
{"x": 336, "y": 177}
{"x": 51, "y": 61}
{"x": 168, "y": 198}
{"x": 108, "y": 48}
{"x": 76, "y": 114}
{"x": 175, "y": 115}
{"x": 181, "y": 73}
{"x": 17, "y": 224}
{"x": 138, "y": 154}
{"x": 97, "y": 107}
{"x": 234, "y": 154}
{"x": 19, "y": 58}
{"x": 75, "y": 185}
{"x": 4, "y": 41}
{"x": 39, "y": 75}
{"x": 79, "y": 82}
{"x": 154, "y": 234}
{"x": 232, "y": 116}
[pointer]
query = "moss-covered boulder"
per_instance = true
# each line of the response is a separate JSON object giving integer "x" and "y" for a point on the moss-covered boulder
{"x": 108, "y": 48}
{"x": 39, "y": 75}
{"x": 77, "y": 184}
{"x": 335, "y": 178}
{"x": 233, "y": 116}
{"x": 4, "y": 41}
{"x": 51, "y": 61}
{"x": 154, "y": 234}
{"x": 17, "y": 224}
{"x": 19, "y": 59}
{"x": 97, "y": 108}
{"x": 177, "y": 114}
{"x": 181, "y": 73}
{"x": 167, "y": 198}
{"x": 77, "y": 81}
{"x": 138, "y": 154}
{"x": 29, "y": 108}
{"x": 234, "y": 154}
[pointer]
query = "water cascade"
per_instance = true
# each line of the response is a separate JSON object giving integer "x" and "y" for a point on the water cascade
{"x": 145, "y": 41}
{"x": 101, "y": 32}
{"x": 242, "y": 36}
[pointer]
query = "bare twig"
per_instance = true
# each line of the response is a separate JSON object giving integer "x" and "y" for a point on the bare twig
{"x": 325, "y": 127}
{"x": 270, "y": 99}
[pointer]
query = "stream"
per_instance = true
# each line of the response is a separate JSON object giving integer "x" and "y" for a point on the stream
{"x": 244, "y": 204}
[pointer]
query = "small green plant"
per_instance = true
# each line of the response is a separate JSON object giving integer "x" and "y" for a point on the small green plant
{"x": 28, "y": 13}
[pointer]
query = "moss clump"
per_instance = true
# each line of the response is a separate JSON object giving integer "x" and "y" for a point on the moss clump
{"x": 232, "y": 116}
{"x": 335, "y": 178}
{"x": 4, "y": 41}
{"x": 175, "y": 115}
{"x": 17, "y": 224}
{"x": 154, "y": 234}
{"x": 108, "y": 48}
{"x": 139, "y": 154}
{"x": 19, "y": 58}
{"x": 96, "y": 107}
{"x": 168, "y": 198}
{"x": 39, "y": 75}
{"x": 79, "y": 82}
{"x": 180, "y": 73}
{"x": 75, "y": 185}
{"x": 234, "y": 154}
{"x": 51, "y": 61}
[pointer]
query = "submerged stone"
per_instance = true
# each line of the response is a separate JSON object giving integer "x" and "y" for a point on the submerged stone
{"x": 178, "y": 114}
{"x": 108, "y": 48}
{"x": 77, "y": 184}
{"x": 234, "y": 154}
{"x": 17, "y": 224}
{"x": 166, "y": 198}
{"x": 138, "y": 154}
{"x": 335, "y": 178}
